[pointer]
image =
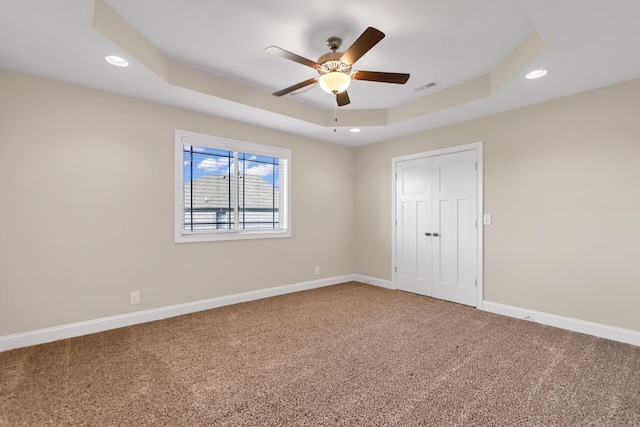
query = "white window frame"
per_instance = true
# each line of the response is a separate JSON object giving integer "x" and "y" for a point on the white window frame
{"x": 183, "y": 137}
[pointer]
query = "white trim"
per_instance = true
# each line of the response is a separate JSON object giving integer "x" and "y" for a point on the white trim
{"x": 596, "y": 329}
{"x": 373, "y": 281}
{"x": 439, "y": 152}
{"x": 394, "y": 221}
{"x": 478, "y": 147}
{"x": 480, "y": 226}
{"x": 42, "y": 336}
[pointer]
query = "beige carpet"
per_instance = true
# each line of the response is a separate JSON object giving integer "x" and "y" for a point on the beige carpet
{"x": 344, "y": 355}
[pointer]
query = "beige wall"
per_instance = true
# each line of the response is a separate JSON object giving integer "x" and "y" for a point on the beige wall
{"x": 86, "y": 213}
{"x": 562, "y": 181}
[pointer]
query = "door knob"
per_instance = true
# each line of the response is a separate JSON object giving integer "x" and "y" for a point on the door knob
{"x": 427, "y": 234}
{"x": 435, "y": 234}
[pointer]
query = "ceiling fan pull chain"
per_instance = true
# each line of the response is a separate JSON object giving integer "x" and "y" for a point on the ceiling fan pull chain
{"x": 335, "y": 118}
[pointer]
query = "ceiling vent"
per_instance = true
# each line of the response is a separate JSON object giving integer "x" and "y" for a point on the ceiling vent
{"x": 427, "y": 86}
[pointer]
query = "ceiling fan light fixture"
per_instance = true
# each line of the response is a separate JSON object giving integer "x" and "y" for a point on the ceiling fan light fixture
{"x": 335, "y": 82}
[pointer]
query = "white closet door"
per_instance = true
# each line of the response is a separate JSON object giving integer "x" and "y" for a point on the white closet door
{"x": 436, "y": 230}
{"x": 413, "y": 203}
{"x": 454, "y": 212}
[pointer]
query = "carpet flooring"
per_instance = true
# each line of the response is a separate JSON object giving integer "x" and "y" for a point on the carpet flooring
{"x": 344, "y": 355}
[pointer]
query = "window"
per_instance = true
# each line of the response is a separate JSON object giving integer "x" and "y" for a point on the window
{"x": 228, "y": 190}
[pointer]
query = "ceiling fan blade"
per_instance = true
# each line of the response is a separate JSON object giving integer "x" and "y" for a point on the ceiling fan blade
{"x": 296, "y": 87}
{"x": 275, "y": 50}
{"x": 343, "y": 99}
{"x": 366, "y": 41}
{"x": 377, "y": 76}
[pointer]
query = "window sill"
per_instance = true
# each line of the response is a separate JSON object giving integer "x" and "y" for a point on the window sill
{"x": 231, "y": 235}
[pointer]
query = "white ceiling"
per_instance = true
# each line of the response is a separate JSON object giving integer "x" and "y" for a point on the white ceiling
{"x": 589, "y": 44}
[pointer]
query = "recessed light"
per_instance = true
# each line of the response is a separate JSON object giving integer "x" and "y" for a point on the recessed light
{"x": 536, "y": 74}
{"x": 355, "y": 130}
{"x": 116, "y": 60}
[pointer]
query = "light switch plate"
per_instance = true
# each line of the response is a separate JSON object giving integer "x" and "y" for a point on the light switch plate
{"x": 486, "y": 219}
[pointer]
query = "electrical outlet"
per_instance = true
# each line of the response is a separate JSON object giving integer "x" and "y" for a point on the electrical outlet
{"x": 134, "y": 297}
{"x": 317, "y": 269}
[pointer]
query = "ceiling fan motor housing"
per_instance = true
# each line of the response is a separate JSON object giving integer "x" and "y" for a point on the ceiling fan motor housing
{"x": 331, "y": 62}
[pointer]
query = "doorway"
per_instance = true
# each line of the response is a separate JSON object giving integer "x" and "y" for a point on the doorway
{"x": 437, "y": 235}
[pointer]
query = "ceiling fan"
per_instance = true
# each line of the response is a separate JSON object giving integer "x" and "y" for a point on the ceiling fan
{"x": 335, "y": 67}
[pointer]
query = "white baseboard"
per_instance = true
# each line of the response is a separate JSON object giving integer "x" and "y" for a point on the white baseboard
{"x": 596, "y": 329}
{"x": 373, "y": 281}
{"x": 42, "y": 336}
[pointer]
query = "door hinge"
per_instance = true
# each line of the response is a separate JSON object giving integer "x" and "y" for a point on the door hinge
{"x": 476, "y": 223}
{"x": 476, "y": 283}
{"x": 395, "y": 269}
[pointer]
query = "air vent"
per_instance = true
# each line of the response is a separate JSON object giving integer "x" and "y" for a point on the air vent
{"x": 427, "y": 86}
